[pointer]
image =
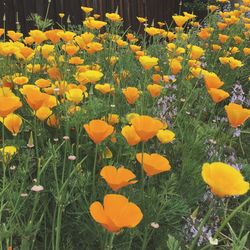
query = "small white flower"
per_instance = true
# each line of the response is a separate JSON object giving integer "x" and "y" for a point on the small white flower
{"x": 66, "y": 138}
{"x": 13, "y": 167}
{"x": 56, "y": 139}
{"x": 155, "y": 225}
{"x": 71, "y": 157}
{"x": 23, "y": 194}
{"x": 37, "y": 188}
{"x": 213, "y": 241}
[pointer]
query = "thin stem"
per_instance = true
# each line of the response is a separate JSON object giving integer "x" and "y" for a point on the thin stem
{"x": 110, "y": 243}
{"x": 142, "y": 170}
{"x": 4, "y": 171}
{"x": 58, "y": 226}
{"x": 231, "y": 216}
{"x": 94, "y": 172}
{"x": 47, "y": 13}
{"x": 194, "y": 242}
{"x": 36, "y": 139}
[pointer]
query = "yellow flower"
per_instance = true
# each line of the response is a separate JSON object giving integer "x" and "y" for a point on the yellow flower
{"x": 43, "y": 113}
{"x": 121, "y": 43}
{"x": 130, "y": 117}
{"x": 61, "y": 15}
{"x": 113, "y": 17}
{"x": 180, "y": 20}
{"x": 74, "y": 95}
{"x": 7, "y": 152}
{"x": 130, "y": 135}
{"x": 66, "y": 36}
{"x": 246, "y": 51}
{"x": 142, "y": 19}
{"x": 89, "y": 76}
{"x": 105, "y": 88}
{"x": 86, "y": 9}
{"x": 112, "y": 119}
{"x": 175, "y": 66}
{"x": 165, "y": 136}
{"x": 12, "y": 122}
{"x": 152, "y": 31}
{"x": 224, "y": 180}
{"x": 76, "y": 60}
{"x": 196, "y": 52}
{"x": 189, "y": 15}
{"x": 91, "y": 23}
{"x": 38, "y": 36}
{"x": 234, "y": 63}
{"x": 148, "y": 62}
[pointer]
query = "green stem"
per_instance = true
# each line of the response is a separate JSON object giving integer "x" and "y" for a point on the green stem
{"x": 36, "y": 139}
{"x": 194, "y": 242}
{"x": 142, "y": 170}
{"x": 4, "y": 170}
{"x": 94, "y": 172}
{"x": 47, "y": 13}
{"x": 58, "y": 226}
{"x": 231, "y": 216}
{"x": 109, "y": 246}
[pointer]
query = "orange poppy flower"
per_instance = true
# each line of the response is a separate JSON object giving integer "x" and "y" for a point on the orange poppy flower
{"x": 131, "y": 94}
{"x": 25, "y": 53}
{"x": 35, "y": 98}
{"x": 153, "y": 163}
{"x": 70, "y": 49}
{"x": 204, "y": 33}
{"x": 66, "y": 36}
{"x": 117, "y": 178}
{"x": 116, "y": 213}
{"x": 98, "y": 130}
{"x": 218, "y": 95}
{"x": 175, "y": 66}
{"x": 146, "y": 127}
{"x": 236, "y": 114}
{"x": 21, "y": 80}
{"x": 12, "y": 122}
{"x": 212, "y": 80}
{"x": 14, "y": 36}
{"x": 1, "y": 32}
{"x": 130, "y": 135}
{"x": 42, "y": 83}
{"x": 53, "y": 121}
{"x": 54, "y": 73}
{"x": 223, "y": 38}
{"x": 52, "y": 35}
{"x": 154, "y": 89}
{"x": 8, "y": 104}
